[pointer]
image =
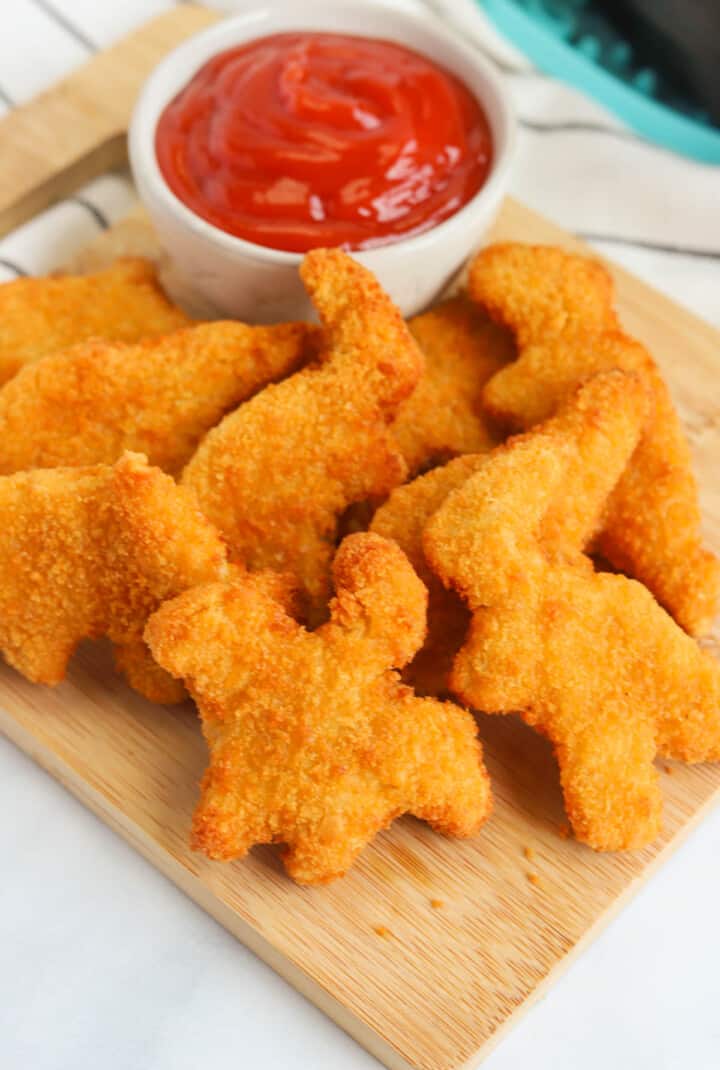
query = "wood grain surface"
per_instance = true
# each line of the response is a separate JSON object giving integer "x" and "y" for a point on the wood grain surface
{"x": 429, "y": 948}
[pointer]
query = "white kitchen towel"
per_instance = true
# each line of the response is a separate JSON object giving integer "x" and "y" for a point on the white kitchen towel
{"x": 655, "y": 212}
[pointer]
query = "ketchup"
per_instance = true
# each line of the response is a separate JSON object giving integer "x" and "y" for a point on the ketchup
{"x": 301, "y": 140}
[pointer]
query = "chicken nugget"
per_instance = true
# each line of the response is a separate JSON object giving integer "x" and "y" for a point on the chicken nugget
{"x": 408, "y": 509}
{"x": 560, "y": 308}
{"x": 314, "y": 742}
{"x": 588, "y": 658}
{"x": 444, "y": 417}
{"x": 87, "y": 404}
{"x": 277, "y": 473}
{"x": 91, "y": 552}
{"x": 122, "y": 303}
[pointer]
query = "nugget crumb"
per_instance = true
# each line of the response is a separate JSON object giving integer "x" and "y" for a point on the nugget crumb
{"x": 534, "y": 879}
{"x": 382, "y": 930}
{"x": 668, "y": 770}
{"x": 437, "y": 904}
{"x": 529, "y": 853}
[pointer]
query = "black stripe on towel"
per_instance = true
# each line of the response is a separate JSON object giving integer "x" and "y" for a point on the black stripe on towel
{"x": 69, "y": 27}
{"x": 100, "y": 218}
{"x": 12, "y": 266}
{"x": 573, "y": 126}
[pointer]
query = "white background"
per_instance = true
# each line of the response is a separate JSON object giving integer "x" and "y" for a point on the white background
{"x": 103, "y": 963}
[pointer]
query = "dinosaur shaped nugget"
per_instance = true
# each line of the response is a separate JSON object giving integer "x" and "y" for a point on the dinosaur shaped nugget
{"x": 573, "y": 521}
{"x": 314, "y": 742}
{"x": 89, "y": 403}
{"x": 90, "y": 552}
{"x": 588, "y": 658}
{"x": 277, "y": 473}
{"x": 560, "y": 308}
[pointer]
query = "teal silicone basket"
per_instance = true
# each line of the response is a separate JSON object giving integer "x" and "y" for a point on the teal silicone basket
{"x": 571, "y": 40}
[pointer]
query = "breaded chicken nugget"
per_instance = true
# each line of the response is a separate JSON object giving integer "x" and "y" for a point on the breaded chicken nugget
{"x": 90, "y": 552}
{"x": 123, "y": 303}
{"x": 277, "y": 473}
{"x": 86, "y": 404}
{"x": 403, "y": 518}
{"x": 314, "y": 742}
{"x": 560, "y": 308}
{"x": 443, "y": 417}
{"x": 408, "y": 509}
{"x": 589, "y": 659}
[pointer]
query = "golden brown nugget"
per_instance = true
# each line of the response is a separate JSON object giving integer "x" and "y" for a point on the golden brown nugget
{"x": 409, "y": 508}
{"x": 403, "y": 518}
{"x": 560, "y": 308}
{"x": 123, "y": 303}
{"x": 444, "y": 417}
{"x": 87, "y": 404}
{"x": 91, "y": 552}
{"x": 278, "y": 472}
{"x": 589, "y": 659}
{"x": 314, "y": 741}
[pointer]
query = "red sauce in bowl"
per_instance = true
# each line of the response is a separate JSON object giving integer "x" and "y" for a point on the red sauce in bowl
{"x": 306, "y": 139}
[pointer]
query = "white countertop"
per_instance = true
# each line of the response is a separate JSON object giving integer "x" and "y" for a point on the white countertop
{"x": 104, "y": 964}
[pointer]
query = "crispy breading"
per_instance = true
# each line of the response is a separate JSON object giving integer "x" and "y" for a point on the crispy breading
{"x": 86, "y": 404}
{"x": 588, "y": 658}
{"x": 314, "y": 742}
{"x": 403, "y": 518}
{"x": 408, "y": 509}
{"x": 443, "y": 417}
{"x": 91, "y": 552}
{"x": 560, "y": 308}
{"x": 122, "y": 303}
{"x": 277, "y": 473}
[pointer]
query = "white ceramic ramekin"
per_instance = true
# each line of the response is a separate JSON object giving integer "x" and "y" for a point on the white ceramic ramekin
{"x": 261, "y": 285}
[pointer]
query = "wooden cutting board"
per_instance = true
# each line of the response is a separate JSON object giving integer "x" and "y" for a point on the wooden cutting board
{"x": 429, "y": 949}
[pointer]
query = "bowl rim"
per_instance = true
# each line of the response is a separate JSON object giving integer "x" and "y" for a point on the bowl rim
{"x": 233, "y": 30}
